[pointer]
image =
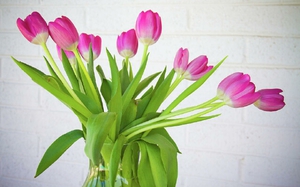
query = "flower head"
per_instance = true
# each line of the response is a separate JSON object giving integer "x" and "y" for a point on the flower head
{"x": 127, "y": 44}
{"x": 64, "y": 33}
{"x": 193, "y": 70}
{"x": 270, "y": 100}
{"x": 87, "y": 40}
{"x": 34, "y": 28}
{"x": 236, "y": 90}
{"x": 148, "y": 27}
{"x": 70, "y": 55}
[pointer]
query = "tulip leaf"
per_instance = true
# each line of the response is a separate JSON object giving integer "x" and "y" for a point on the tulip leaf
{"x": 90, "y": 66}
{"x": 106, "y": 90}
{"x": 52, "y": 72}
{"x": 97, "y": 129}
{"x": 145, "y": 174}
{"x": 131, "y": 89}
{"x": 159, "y": 94}
{"x": 143, "y": 102}
{"x": 168, "y": 155}
{"x": 192, "y": 88}
{"x": 115, "y": 159}
{"x": 69, "y": 71}
{"x": 157, "y": 166}
{"x": 125, "y": 80}
{"x": 38, "y": 77}
{"x": 100, "y": 72}
{"x": 88, "y": 102}
{"x": 130, "y": 114}
{"x": 57, "y": 148}
{"x": 144, "y": 83}
{"x": 127, "y": 164}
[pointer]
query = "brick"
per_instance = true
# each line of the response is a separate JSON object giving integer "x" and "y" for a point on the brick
{"x": 18, "y": 143}
{"x": 271, "y": 171}
{"x": 209, "y": 165}
{"x": 19, "y": 94}
{"x": 273, "y": 51}
{"x": 265, "y": 20}
{"x": 246, "y": 140}
{"x": 14, "y": 44}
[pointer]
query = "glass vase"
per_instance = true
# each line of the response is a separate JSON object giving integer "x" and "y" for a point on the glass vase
{"x": 98, "y": 176}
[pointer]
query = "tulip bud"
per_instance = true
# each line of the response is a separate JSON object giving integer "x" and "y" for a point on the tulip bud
{"x": 270, "y": 100}
{"x": 34, "y": 28}
{"x": 193, "y": 70}
{"x": 64, "y": 33}
{"x": 127, "y": 44}
{"x": 70, "y": 55}
{"x": 85, "y": 41}
{"x": 236, "y": 90}
{"x": 148, "y": 27}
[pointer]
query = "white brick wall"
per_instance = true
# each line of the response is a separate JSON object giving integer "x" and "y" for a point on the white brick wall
{"x": 242, "y": 148}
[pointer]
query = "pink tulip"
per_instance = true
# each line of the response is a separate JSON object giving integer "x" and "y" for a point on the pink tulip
{"x": 270, "y": 100}
{"x": 127, "y": 44}
{"x": 193, "y": 70}
{"x": 70, "y": 55}
{"x": 87, "y": 40}
{"x": 148, "y": 27}
{"x": 236, "y": 90}
{"x": 64, "y": 33}
{"x": 34, "y": 28}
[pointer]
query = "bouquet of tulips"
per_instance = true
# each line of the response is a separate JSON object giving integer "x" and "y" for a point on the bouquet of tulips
{"x": 122, "y": 124}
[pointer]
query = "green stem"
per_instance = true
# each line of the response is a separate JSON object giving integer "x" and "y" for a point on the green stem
{"x": 174, "y": 84}
{"x": 169, "y": 115}
{"x": 59, "y": 74}
{"x": 86, "y": 74}
{"x": 171, "y": 123}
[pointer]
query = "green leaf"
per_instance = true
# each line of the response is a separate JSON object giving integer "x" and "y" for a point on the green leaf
{"x": 90, "y": 66}
{"x": 39, "y": 77}
{"x": 143, "y": 102}
{"x": 156, "y": 165}
{"x": 192, "y": 88}
{"x": 115, "y": 159}
{"x": 131, "y": 89}
{"x": 57, "y": 148}
{"x": 88, "y": 102}
{"x": 106, "y": 90}
{"x": 125, "y": 80}
{"x": 97, "y": 129}
{"x": 144, "y": 83}
{"x": 129, "y": 114}
{"x": 168, "y": 154}
{"x": 127, "y": 165}
{"x": 100, "y": 72}
{"x": 52, "y": 72}
{"x": 159, "y": 94}
{"x": 145, "y": 175}
{"x": 69, "y": 71}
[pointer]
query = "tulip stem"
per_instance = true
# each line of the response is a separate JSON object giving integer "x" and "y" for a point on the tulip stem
{"x": 88, "y": 78}
{"x": 171, "y": 114}
{"x": 151, "y": 124}
{"x": 174, "y": 84}
{"x": 59, "y": 74}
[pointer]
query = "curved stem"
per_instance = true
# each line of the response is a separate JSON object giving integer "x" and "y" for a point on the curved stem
{"x": 169, "y": 115}
{"x": 59, "y": 74}
{"x": 173, "y": 122}
{"x": 88, "y": 78}
{"x": 174, "y": 84}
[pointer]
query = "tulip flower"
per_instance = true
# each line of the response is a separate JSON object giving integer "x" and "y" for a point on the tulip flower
{"x": 148, "y": 27}
{"x": 64, "y": 33}
{"x": 34, "y": 28}
{"x": 193, "y": 70}
{"x": 70, "y": 55}
{"x": 87, "y": 40}
{"x": 236, "y": 90}
{"x": 127, "y": 44}
{"x": 270, "y": 100}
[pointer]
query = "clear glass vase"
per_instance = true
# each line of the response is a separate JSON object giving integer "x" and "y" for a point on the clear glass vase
{"x": 98, "y": 176}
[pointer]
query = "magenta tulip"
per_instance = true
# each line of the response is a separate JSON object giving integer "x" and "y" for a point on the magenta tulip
{"x": 70, "y": 55}
{"x": 236, "y": 90}
{"x": 34, "y": 28}
{"x": 127, "y": 44}
{"x": 64, "y": 33}
{"x": 270, "y": 100}
{"x": 148, "y": 27}
{"x": 193, "y": 70}
{"x": 87, "y": 40}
